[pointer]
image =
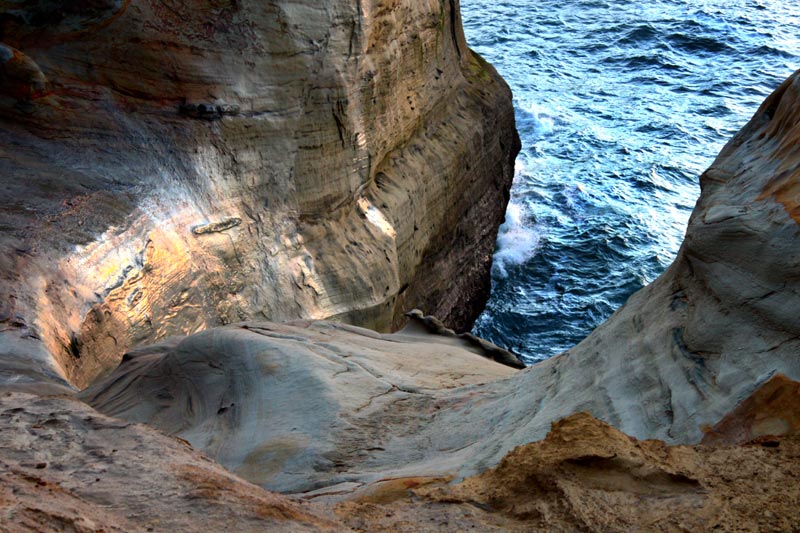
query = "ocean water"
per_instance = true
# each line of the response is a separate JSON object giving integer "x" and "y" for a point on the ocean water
{"x": 620, "y": 107}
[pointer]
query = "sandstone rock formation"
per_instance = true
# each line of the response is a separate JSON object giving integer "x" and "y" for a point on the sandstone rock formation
{"x": 587, "y": 476}
{"x": 772, "y": 410}
{"x": 66, "y": 467}
{"x": 676, "y": 359}
{"x": 170, "y": 166}
{"x": 410, "y": 431}
{"x": 295, "y": 407}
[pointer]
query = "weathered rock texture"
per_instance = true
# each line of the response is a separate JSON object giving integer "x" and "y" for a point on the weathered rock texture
{"x": 587, "y": 476}
{"x": 295, "y": 407}
{"x": 677, "y": 358}
{"x": 170, "y": 166}
{"x": 353, "y": 419}
{"x": 66, "y": 467}
{"x": 772, "y": 410}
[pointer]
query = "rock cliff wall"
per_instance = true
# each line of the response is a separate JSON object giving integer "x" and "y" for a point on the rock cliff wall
{"x": 171, "y": 166}
{"x": 369, "y": 431}
{"x": 718, "y": 325}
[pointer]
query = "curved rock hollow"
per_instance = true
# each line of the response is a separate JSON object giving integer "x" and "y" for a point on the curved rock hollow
{"x": 683, "y": 352}
{"x": 170, "y": 166}
{"x": 191, "y": 136}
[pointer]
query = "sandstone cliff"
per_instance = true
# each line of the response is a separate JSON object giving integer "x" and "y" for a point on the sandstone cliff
{"x": 679, "y": 356}
{"x": 171, "y": 166}
{"x": 417, "y": 431}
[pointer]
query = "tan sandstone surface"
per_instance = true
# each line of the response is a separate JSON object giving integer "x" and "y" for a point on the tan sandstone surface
{"x": 65, "y": 467}
{"x": 587, "y": 476}
{"x": 419, "y": 430}
{"x": 677, "y": 358}
{"x": 169, "y": 166}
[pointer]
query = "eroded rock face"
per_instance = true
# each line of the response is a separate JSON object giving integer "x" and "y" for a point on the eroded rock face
{"x": 66, "y": 467}
{"x": 771, "y": 411}
{"x": 171, "y": 166}
{"x": 351, "y": 418}
{"x": 675, "y": 360}
{"x": 587, "y": 476}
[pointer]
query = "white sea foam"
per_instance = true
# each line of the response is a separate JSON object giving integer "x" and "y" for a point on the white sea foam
{"x": 517, "y": 240}
{"x": 541, "y": 121}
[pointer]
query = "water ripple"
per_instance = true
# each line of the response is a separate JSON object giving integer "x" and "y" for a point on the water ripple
{"x": 620, "y": 106}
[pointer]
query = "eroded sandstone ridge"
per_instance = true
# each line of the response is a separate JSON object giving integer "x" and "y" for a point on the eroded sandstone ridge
{"x": 677, "y": 358}
{"x": 170, "y": 166}
{"x": 420, "y": 431}
{"x": 412, "y": 431}
{"x": 64, "y": 466}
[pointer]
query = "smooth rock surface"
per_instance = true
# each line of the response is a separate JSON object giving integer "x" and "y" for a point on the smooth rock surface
{"x": 676, "y": 359}
{"x": 66, "y": 467}
{"x": 294, "y": 407}
{"x": 173, "y": 166}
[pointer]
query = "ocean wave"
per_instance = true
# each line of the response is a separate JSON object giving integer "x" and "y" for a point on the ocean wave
{"x": 517, "y": 240}
{"x": 620, "y": 106}
{"x": 535, "y": 118}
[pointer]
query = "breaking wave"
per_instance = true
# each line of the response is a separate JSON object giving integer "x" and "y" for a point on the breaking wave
{"x": 620, "y": 106}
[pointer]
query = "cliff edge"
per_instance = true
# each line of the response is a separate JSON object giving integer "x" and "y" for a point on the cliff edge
{"x": 683, "y": 352}
{"x": 416, "y": 430}
{"x": 173, "y": 166}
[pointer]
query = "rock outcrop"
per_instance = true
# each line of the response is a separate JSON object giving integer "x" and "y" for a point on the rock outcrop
{"x": 297, "y": 407}
{"x": 773, "y": 410}
{"x": 587, "y": 476}
{"x": 421, "y": 429}
{"x": 173, "y": 166}
{"x": 66, "y": 467}
{"x": 675, "y": 360}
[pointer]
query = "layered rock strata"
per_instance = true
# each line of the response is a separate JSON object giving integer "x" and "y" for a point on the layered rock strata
{"x": 677, "y": 358}
{"x": 410, "y": 431}
{"x": 172, "y": 166}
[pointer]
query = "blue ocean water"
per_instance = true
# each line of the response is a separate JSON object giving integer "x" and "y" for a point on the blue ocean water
{"x": 620, "y": 107}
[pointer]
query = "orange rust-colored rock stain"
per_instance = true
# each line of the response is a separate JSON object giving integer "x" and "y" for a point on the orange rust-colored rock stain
{"x": 774, "y": 409}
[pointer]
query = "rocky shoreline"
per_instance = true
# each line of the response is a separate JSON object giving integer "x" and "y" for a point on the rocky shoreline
{"x": 165, "y": 174}
{"x": 375, "y": 189}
